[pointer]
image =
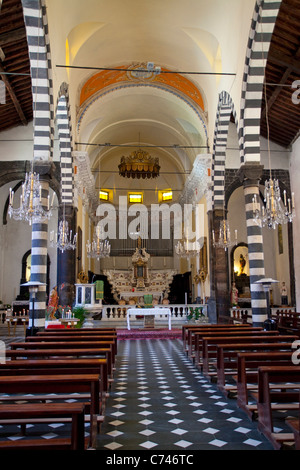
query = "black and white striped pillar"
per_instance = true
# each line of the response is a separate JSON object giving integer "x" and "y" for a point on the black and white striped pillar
{"x": 35, "y": 18}
{"x": 262, "y": 25}
{"x": 66, "y": 261}
{"x": 250, "y": 174}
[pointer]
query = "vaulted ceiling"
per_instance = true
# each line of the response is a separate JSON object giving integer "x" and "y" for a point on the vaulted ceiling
{"x": 283, "y": 69}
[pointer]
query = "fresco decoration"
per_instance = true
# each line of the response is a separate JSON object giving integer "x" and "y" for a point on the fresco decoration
{"x": 109, "y": 78}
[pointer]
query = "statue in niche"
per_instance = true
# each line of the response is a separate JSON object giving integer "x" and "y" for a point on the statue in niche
{"x": 242, "y": 264}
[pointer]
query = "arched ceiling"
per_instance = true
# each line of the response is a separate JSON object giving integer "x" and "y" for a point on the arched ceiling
{"x": 199, "y": 48}
{"x": 200, "y": 43}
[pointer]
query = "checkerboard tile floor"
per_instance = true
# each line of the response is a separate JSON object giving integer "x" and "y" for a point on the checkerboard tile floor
{"x": 159, "y": 400}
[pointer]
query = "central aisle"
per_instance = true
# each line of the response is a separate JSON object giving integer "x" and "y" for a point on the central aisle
{"x": 160, "y": 401}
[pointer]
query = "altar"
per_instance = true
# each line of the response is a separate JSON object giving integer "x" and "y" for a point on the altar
{"x": 148, "y": 311}
{"x": 139, "y": 280}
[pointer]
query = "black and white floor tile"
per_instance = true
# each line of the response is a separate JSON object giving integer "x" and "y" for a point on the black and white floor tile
{"x": 160, "y": 401}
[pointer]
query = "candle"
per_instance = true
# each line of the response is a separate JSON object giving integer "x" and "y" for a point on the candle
{"x": 293, "y": 200}
{"x": 284, "y": 197}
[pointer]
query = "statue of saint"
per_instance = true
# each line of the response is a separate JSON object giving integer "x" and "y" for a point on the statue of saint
{"x": 242, "y": 264}
{"x": 284, "y": 294}
{"x": 234, "y": 295}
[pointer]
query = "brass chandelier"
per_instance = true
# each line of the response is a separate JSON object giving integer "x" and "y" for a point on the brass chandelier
{"x": 139, "y": 164}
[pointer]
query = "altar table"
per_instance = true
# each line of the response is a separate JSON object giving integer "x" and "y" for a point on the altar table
{"x": 148, "y": 311}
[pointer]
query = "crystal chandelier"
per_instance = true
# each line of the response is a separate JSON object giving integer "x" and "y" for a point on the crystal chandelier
{"x": 99, "y": 248}
{"x": 31, "y": 209}
{"x": 187, "y": 249}
{"x": 63, "y": 239}
{"x": 273, "y": 211}
{"x": 224, "y": 240}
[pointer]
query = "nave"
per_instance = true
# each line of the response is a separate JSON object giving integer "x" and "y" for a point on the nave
{"x": 160, "y": 401}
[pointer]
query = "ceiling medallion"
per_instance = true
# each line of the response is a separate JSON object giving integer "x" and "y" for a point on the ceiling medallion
{"x": 143, "y": 72}
{"x": 139, "y": 164}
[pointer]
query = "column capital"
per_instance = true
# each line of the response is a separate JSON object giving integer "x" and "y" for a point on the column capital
{"x": 250, "y": 174}
{"x": 45, "y": 168}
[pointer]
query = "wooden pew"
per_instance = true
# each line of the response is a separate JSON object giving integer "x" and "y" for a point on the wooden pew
{"x": 227, "y": 360}
{"x": 66, "y": 352}
{"x": 66, "y": 345}
{"x": 221, "y": 334}
{"x": 190, "y": 328}
{"x": 192, "y": 333}
{"x": 60, "y": 366}
{"x": 45, "y": 384}
{"x": 53, "y": 412}
{"x": 280, "y": 375}
{"x": 247, "y": 373}
{"x": 209, "y": 347}
{"x": 77, "y": 338}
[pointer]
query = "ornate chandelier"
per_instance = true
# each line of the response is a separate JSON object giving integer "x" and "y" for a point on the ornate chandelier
{"x": 224, "y": 240}
{"x": 139, "y": 164}
{"x": 273, "y": 212}
{"x": 63, "y": 240}
{"x": 187, "y": 249}
{"x": 31, "y": 209}
{"x": 99, "y": 248}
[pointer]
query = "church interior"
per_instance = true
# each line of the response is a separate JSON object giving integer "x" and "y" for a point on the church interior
{"x": 149, "y": 163}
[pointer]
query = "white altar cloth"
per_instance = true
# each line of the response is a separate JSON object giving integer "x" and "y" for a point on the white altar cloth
{"x": 148, "y": 311}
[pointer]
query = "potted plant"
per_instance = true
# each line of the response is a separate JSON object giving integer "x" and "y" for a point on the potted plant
{"x": 80, "y": 313}
{"x": 195, "y": 313}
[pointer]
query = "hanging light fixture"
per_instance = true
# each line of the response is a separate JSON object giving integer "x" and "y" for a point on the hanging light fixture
{"x": 98, "y": 248}
{"x": 187, "y": 249}
{"x": 31, "y": 209}
{"x": 273, "y": 212}
{"x": 63, "y": 239}
{"x": 224, "y": 241}
{"x": 139, "y": 164}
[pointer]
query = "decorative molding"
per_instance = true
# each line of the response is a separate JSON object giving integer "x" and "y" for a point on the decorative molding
{"x": 198, "y": 180}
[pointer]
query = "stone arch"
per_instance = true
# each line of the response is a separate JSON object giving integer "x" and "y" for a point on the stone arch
{"x": 262, "y": 26}
{"x": 224, "y": 112}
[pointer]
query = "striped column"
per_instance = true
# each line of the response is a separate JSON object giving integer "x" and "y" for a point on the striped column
{"x": 251, "y": 175}
{"x": 219, "y": 302}
{"x": 40, "y": 66}
{"x": 35, "y": 19}
{"x": 66, "y": 261}
{"x": 262, "y": 26}
{"x": 65, "y": 145}
{"x": 39, "y": 248}
{"x": 224, "y": 111}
